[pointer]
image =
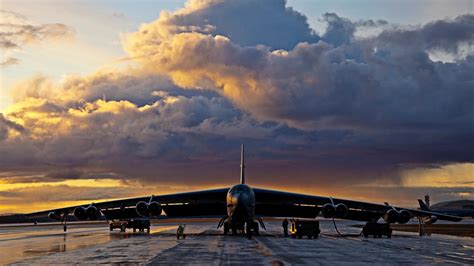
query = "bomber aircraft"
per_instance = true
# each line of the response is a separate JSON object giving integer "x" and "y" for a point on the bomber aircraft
{"x": 242, "y": 207}
{"x": 450, "y": 211}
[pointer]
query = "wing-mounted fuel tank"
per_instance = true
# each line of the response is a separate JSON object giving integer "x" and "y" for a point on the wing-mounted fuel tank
{"x": 430, "y": 219}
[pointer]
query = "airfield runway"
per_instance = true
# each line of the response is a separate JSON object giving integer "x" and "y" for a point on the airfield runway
{"x": 93, "y": 244}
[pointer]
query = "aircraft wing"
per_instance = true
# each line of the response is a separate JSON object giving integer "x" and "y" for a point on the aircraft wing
{"x": 287, "y": 204}
{"x": 198, "y": 203}
{"x": 269, "y": 203}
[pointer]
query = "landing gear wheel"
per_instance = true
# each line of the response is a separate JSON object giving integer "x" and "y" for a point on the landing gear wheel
{"x": 256, "y": 229}
{"x": 65, "y": 228}
{"x": 226, "y": 228}
{"x": 248, "y": 231}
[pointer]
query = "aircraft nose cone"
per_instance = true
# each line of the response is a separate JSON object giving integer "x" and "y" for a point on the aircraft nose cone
{"x": 240, "y": 201}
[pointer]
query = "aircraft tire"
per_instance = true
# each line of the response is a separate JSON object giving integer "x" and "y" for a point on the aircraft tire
{"x": 226, "y": 228}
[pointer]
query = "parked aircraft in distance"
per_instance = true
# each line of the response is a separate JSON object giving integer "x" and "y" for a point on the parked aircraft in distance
{"x": 461, "y": 210}
{"x": 241, "y": 208}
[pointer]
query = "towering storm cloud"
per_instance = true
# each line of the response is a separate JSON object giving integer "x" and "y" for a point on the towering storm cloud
{"x": 326, "y": 108}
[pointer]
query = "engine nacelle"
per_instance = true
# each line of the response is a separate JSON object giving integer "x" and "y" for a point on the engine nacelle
{"x": 341, "y": 210}
{"x": 391, "y": 216}
{"x": 92, "y": 213}
{"x": 430, "y": 220}
{"x": 404, "y": 216}
{"x": 80, "y": 213}
{"x": 142, "y": 208}
{"x": 54, "y": 216}
{"x": 328, "y": 211}
{"x": 154, "y": 208}
{"x": 148, "y": 209}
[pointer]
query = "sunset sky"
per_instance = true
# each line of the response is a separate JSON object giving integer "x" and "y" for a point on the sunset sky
{"x": 369, "y": 100}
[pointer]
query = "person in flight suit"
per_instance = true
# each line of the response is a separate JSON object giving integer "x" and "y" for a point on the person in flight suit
{"x": 180, "y": 232}
{"x": 285, "y": 227}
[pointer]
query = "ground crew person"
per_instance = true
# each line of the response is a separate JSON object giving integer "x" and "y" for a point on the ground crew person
{"x": 285, "y": 227}
{"x": 180, "y": 231}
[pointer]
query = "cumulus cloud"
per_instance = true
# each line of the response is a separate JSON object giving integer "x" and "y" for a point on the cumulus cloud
{"x": 326, "y": 109}
{"x": 384, "y": 89}
{"x": 246, "y": 22}
{"x": 16, "y": 31}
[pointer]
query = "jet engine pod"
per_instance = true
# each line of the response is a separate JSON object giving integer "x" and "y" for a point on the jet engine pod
{"x": 154, "y": 208}
{"x": 80, "y": 213}
{"x": 54, "y": 216}
{"x": 430, "y": 219}
{"x": 391, "y": 216}
{"x": 329, "y": 210}
{"x": 341, "y": 210}
{"x": 142, "y": 208}
{"x": 92, "y": 213}
{"x": 404, "y": 216}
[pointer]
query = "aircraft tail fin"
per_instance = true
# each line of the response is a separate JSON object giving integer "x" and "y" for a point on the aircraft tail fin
{"x": 242, "y": 165}
{"x": 423, "y": 206}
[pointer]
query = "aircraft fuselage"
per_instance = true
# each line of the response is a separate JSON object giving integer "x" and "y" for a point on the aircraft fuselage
{"x": 240, "y": 205}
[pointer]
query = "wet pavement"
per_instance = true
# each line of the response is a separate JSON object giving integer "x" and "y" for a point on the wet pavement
{"x": 94, "y": 244}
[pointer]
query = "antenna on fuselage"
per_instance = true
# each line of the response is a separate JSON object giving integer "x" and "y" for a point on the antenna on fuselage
{"x": 242, "y": 165}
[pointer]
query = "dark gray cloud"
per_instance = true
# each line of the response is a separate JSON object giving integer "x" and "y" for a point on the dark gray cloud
{"x": 446, "y": 35}
{"x": 339, "y": 30}
{"x": 245, "y": 22}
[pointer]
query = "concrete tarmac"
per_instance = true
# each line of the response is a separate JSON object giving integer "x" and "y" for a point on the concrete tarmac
{"x": 94, "y": 244}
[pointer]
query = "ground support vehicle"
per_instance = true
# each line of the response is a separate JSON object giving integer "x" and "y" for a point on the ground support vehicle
{"x": 377, "y": 230}
{"x": 140, "y": 224}
{"x": 300, "y": 228}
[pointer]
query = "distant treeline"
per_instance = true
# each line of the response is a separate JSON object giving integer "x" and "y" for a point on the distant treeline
{"x": 21, "y": 218}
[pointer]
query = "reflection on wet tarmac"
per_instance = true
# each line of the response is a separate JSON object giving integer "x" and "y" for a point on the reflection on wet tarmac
{"x": 204, "y": 244}
{"x": 29, "y": 242}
